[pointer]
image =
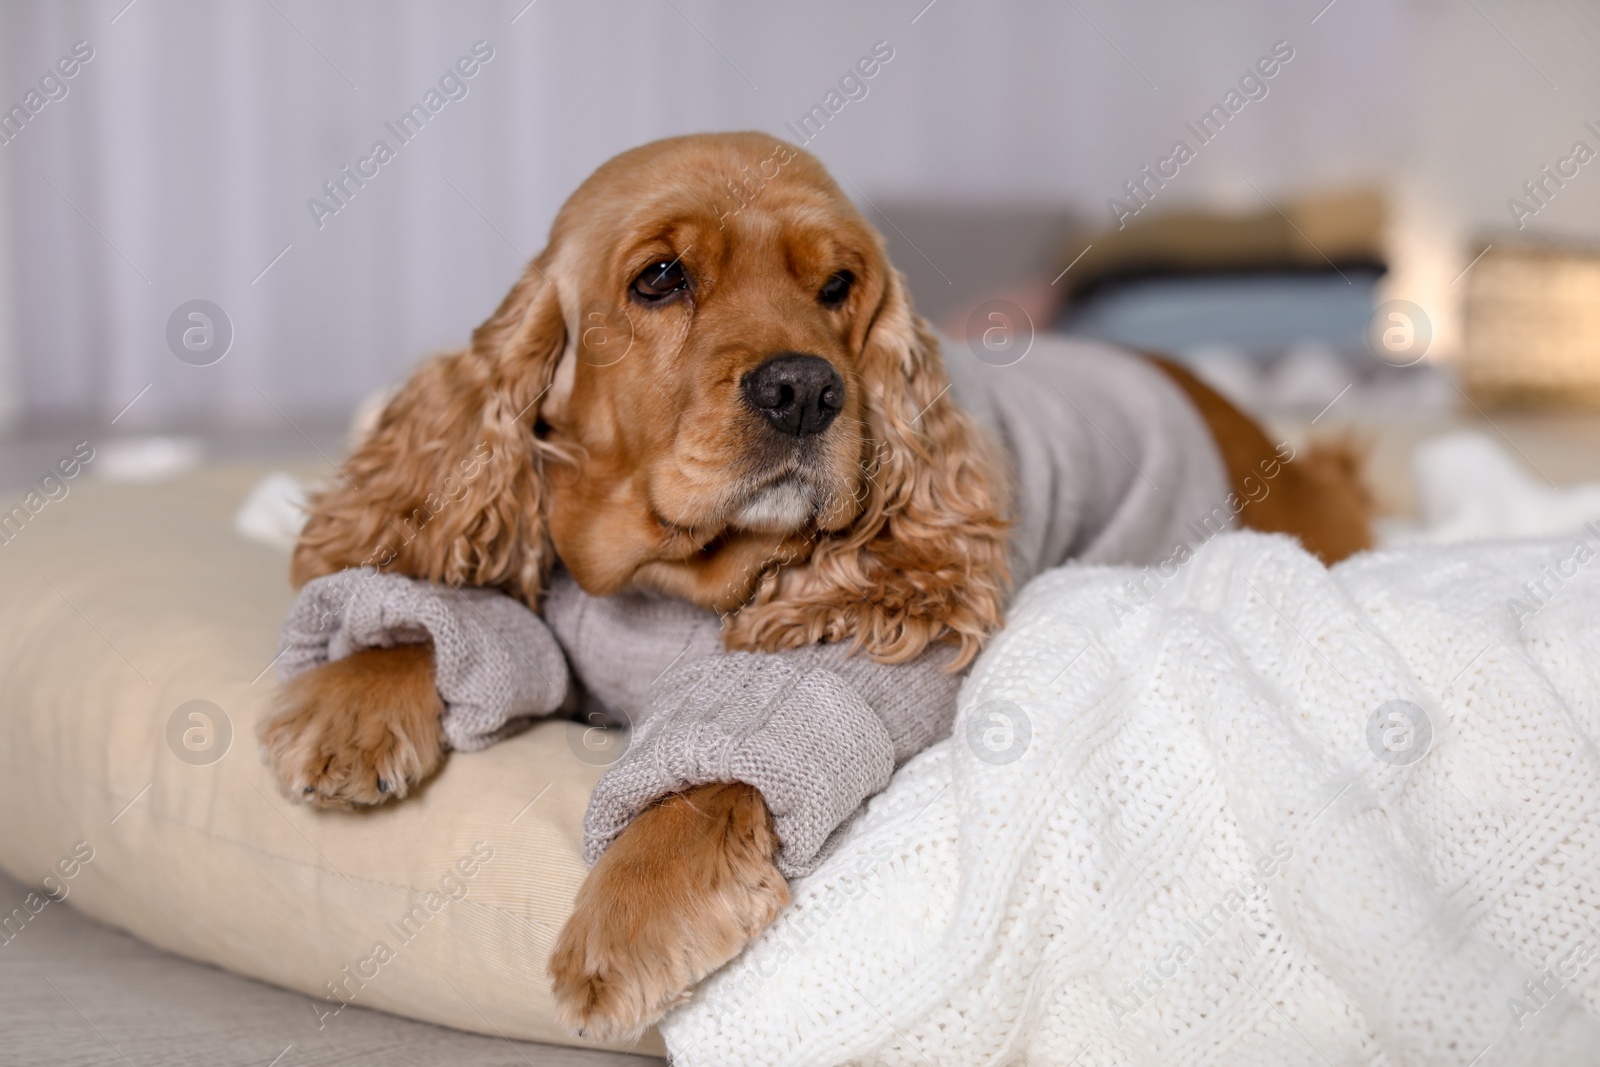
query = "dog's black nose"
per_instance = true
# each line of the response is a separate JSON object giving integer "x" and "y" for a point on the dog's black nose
{"x": 798, "y": 394}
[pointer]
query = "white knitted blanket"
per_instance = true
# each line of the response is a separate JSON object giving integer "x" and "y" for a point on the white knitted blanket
{"x": 1256, "y": 812}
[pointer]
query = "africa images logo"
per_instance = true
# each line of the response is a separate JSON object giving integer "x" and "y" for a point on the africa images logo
{"x": 341, "y": 189}
{"x": 54, "y": 85}
{"x": 1252, "y": 85}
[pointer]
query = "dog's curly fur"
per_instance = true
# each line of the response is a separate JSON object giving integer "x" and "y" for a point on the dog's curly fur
{"x": 538, "y": 443}
{"x": 394, "y": 507}
{"x": 926, "y": 560}
{"x": 907, "y": 549}
{"x": 534, "y": 443}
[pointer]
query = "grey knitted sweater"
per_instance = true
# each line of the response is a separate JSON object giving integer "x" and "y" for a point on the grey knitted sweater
{"x": 1112, "y": 465}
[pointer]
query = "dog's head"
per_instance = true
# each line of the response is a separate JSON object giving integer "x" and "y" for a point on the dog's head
{"x": 710, "y": 383}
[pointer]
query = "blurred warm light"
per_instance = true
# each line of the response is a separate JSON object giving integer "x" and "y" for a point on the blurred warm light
{"x": 1533, "y": 326}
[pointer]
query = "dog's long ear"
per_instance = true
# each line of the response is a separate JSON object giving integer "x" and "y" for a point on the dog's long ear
{"x": 926, "y": 561}
{"x": 449, "y": 484}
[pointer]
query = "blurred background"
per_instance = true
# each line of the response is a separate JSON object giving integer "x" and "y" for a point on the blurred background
{"x": 1374, "y": 218}
{"x": 1383, "y": 215}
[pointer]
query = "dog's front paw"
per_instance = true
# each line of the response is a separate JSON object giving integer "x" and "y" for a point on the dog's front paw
{"x": 677, "y": 895}
{"x": 357, "y": 731}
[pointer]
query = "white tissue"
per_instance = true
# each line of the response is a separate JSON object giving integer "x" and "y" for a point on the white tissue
{"x": 274, "y": 513}
{"x": 1470, "y": 488}
{"x": 147, "y": 459}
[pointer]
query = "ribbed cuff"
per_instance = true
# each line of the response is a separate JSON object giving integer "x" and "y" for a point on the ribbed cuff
{"x": 798, "y": 734}
{"x": 495, "y": 663}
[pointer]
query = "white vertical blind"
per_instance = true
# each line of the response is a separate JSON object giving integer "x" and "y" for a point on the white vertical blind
{"x": 179, "y": 164}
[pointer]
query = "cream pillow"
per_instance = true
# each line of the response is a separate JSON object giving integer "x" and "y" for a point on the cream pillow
{"x": 126, "y": 605}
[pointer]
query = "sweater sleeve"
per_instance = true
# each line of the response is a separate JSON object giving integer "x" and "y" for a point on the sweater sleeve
{"x": 495, "y": 663}
{"x": 817, "y": 731}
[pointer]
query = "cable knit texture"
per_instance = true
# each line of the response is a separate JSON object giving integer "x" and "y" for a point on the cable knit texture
{"x": 816, "y": 730}
{"x": 619, "y": 646}
{"x": 1277, "y": 814}
{"x": 1111, "y": 465}
{"x": 799, "y": 734}
{"x": 496, "y": 664}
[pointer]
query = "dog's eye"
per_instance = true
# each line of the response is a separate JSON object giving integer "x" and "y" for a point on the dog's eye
{"x": 836, "y": 288}
{"x": 660, "y": 280}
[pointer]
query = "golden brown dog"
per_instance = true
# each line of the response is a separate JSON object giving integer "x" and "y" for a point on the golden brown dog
{"x": 621, "y": 392}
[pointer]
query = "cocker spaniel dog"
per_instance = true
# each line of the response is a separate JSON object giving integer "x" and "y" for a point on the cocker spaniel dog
{"x": 711, "y": 387}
